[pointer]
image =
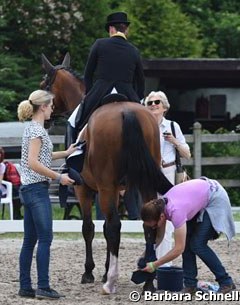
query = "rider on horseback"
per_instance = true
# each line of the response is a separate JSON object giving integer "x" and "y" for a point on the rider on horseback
{"x": 114, "y": 65}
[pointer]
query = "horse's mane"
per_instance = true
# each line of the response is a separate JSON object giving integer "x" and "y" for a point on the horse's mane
{"x": 75, "y": 73}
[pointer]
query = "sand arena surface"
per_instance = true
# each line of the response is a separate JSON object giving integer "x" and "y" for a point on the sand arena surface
{"x": 67, "y": 266}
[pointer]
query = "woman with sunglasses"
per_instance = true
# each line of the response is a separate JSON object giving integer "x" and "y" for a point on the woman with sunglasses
{"x": 158, "y": 104}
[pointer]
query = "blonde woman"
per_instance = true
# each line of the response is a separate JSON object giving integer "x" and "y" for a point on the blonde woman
{"x": 36, "y": 174}
{"x": 157, "y": 102}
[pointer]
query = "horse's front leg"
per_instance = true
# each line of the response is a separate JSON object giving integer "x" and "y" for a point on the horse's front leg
{"x": 88, "y": 235}
{"x": 84, "y": 195}
{"x": 112, "y": 229}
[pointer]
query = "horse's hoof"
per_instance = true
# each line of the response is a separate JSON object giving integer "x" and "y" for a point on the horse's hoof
{"x": 104, "y": 292}
{"x": 104, "y": 278}
{"x": 87, "y": 278}
{"x": 108, "y": 290}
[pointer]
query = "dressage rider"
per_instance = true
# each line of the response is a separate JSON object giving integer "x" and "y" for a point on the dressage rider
{"x": 114, "y": 65}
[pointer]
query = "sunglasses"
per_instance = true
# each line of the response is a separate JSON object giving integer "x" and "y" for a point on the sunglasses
{"x": 150, "y": 103}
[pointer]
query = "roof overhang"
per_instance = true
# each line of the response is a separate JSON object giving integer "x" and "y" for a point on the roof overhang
{"x": 189, "y": 73}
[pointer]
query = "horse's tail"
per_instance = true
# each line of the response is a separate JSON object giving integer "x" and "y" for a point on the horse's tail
{"x": 137, "y": 165}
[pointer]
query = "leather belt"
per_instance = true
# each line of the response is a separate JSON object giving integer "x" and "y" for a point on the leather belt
{"x": 168, "y": 164}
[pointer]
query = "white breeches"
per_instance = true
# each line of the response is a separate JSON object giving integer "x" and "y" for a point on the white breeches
{"x": 166, "y": 244}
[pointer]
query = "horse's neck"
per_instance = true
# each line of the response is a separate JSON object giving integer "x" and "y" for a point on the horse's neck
{"x": 73, "y": 93}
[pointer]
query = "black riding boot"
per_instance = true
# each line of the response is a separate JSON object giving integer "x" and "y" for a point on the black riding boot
{"x": 79, "y": 120}
{"x": 74, "y": 165}
{"x": 70, "y": 135}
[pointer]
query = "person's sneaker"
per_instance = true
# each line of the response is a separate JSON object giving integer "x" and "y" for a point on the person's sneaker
{"x": 191, "y": 290}
{"x": 48, "y": 293}
{"x": 27, "y": 293}
{"x": 226, "y": 288}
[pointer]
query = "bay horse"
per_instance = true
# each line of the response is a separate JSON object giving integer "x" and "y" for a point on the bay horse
{"x": 65, "y": 83}
{"x": 123, "y": 151}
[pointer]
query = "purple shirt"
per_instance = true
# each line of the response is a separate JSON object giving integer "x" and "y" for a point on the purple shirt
{"x": 185, "y": 200}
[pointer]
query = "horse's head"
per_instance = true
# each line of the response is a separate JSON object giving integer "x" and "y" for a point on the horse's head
{"x": 67, "y": 87}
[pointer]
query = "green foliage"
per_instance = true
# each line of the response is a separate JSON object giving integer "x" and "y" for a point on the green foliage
{"x": 16, "y": 81}
{"x": 223, "y": 171}
{"x": 160, "y": 29}
{"x": 53, "y": 27}
{"x": 227, "y": 35}
{"x": 220, "y": 149}
{"x": 218, "y": 23}
{"x": 29, "y": 28}
{"x": 6, "y": 97}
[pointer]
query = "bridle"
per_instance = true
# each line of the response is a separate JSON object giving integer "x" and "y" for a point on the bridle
{"x": 49, "y": 77}
{"x": 48, "y": 80}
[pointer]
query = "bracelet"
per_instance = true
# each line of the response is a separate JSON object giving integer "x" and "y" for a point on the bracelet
{"x": 151, "y": 265}
{"x": 59, "y": 178}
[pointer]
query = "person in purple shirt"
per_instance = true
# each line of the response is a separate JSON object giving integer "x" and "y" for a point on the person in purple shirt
{"x": 199, "y": 210}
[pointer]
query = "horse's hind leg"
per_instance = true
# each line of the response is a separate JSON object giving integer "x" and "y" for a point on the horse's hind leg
{"x": 108, "y": 202}
{"x": 104, "y": 278}
{"x": 84, "y": 195}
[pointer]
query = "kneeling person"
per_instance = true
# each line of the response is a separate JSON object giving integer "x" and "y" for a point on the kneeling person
{"x": 199, "y": 210}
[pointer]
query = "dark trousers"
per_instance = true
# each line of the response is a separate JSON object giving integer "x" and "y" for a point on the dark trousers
{"x": 198, "y": 235}
{"x": 37, "y": 227}
{"x": 132, "y": 201}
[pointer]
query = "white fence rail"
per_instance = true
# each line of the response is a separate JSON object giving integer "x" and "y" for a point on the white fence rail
{"x": 128, "y": 226}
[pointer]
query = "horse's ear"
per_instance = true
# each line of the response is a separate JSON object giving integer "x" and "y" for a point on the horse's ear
{"x": 66, "y": 61}
{"x": 47, "y": 66}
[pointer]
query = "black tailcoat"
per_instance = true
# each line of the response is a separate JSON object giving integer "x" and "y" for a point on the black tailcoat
{"x": 112, "y": 62}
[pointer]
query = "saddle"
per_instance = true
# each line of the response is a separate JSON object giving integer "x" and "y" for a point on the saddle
{"x": 114, "y": 97}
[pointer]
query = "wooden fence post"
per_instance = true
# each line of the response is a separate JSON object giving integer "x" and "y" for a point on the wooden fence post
{"x": 197, "y": 150}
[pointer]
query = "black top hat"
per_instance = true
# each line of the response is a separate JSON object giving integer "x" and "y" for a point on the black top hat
{"x": 114, "y": 18}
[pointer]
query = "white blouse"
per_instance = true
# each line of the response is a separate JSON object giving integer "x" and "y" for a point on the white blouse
{"x": 168, "y": 150}
{"x": 32, "y": 131}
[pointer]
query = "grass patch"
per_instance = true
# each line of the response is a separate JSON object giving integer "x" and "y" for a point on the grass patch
{"x": 236, "y": 216}
{"x": 58, "y": 213}
{"x": 72, "y": 236}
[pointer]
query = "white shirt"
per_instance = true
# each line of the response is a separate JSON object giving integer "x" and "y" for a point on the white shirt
{"x": 168, "y": 150}
{"x": 2, "y": 171}
{"x": 35, "y": 130}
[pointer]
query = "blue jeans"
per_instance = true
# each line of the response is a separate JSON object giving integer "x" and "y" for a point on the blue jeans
{"x": 99, "y": 214}
{"x": 133, "y": 203}
{"x": 37, "y": 227}
{"x": 198, "y": 235}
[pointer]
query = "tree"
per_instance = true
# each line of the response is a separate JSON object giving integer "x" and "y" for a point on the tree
{"x": 31, "y": 27}
{"x": 14, "y": 71}
{"x": 218, "y": 23}
{"x": 160, "y": 29}
{"x": 53, "y": 27}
